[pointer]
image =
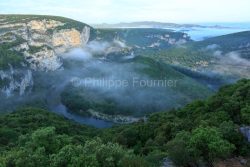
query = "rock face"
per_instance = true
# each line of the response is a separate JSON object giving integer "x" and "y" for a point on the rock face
{"x": 70, "y": 38}
{"x": 42, "y": 40}
{"x": 246, "y": 132}
{"x": 45, "y": 59}
{"x": 15, "y": 81}
{"x": 38, "y": 41}
{"x": 43, "y": 25}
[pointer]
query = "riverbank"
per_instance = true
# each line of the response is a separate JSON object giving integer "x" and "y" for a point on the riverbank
{"x": 119, "y": 119}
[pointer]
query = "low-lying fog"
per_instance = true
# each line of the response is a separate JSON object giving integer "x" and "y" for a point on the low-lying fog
{"x": 120, "y": 81}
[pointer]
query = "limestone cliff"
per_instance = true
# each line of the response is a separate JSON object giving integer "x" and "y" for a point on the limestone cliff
{"x": 14, "y": 80}
{"x": 30, "y": 43}
{"x": 42, "y": 39}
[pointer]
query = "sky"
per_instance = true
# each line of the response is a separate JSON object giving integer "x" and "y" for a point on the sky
{"x": 115, "y": 11}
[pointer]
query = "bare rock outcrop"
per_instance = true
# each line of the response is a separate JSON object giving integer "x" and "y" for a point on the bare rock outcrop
{"x": 43, "y": 40}
{"x": 15, "y": 81}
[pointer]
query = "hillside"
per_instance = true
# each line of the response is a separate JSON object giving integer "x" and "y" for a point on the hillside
{"x": 42, "y": 57}
{"x": 150, "y": 24}
{"x": 37, "y": 40}
{"x": 201, "y": 133}
{"x": 46, "y": 60}
{"x": 133, "y": 99}
{"x": 144, "y": 38}
{"x": 237, "y": 42}
{"x": 34, "y": 43}
{"x": 226, "y": 56}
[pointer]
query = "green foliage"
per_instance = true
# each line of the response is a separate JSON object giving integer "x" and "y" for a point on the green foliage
{"x": 204, "y": 143}
{"x": 27, "y": 120}
{"x": 208, "y": 143}
{"x": 203, "y": 131}
{"x": 69, "y": 23}
{"x": 35, "y": 49}
{"x": 8, "y": 56}
{"x": 182, "y": 56}
{"x": 200, "y": 133}
{"x": 228, "y": 42}
{"x": 182, "y": 90}
{"x": 79, "y": 101}
{"x": 33, "y": 138}
{"x": 137, "y": 37}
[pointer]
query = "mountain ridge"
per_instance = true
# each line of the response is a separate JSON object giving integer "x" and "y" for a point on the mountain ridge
{"x": 152, "y": 24}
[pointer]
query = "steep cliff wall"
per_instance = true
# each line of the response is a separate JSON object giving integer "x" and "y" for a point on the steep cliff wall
{"x": 13, "y": 80}
{"x": 31, "y": 43}
{"x": 42, "y": 39}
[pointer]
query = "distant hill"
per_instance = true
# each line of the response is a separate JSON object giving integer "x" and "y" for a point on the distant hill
{"x": 226, "y": 54}
{"x": 151, "y": 24}
{"x": 239, "y": 42}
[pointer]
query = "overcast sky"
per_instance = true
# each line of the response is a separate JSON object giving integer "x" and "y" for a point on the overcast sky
{"x": 114, "y": 11}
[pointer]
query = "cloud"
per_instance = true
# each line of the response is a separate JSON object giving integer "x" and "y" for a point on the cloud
{"x": 99, "y": 11}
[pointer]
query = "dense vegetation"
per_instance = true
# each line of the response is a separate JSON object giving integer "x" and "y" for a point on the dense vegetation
{"x": 8, "y": 56}
{"x": 202, "y": 132}
{"x": 33, "y": 137}
{"x": 228, "y": 42}
{"x": 80, "y": 99}
{"x": 182, "y": 56}
{"x": 236, "y": 42}
{"x": 140, "y": 37}
{"x": 202, "y": 54}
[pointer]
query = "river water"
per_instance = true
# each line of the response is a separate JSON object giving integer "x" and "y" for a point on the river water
{"x": 200, "y": 33}
{"x": 98, "y": 123}
{"x": 55, "y": 105}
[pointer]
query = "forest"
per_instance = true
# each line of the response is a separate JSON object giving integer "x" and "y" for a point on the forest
{"x": 201, "y": 133}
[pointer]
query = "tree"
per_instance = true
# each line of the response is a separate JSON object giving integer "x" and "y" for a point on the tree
{"x": 47, "y": 138}
{"x": 209, "y": 144}
{"x": 179, "y": 151}
{"x": 245, "y": 115}
{"x": 73, "y": 156}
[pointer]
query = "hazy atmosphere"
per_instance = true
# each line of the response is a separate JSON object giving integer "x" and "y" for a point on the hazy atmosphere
{"x": 124, "y": 83}
{"x": 114, "y": 11}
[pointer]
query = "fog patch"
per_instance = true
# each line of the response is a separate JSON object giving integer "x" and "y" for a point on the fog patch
{"x": 105, "y": 80}
{"x": 212, "y": 47}
{"x": 78, "y": 54}
{"x": 97, "y": 47}
{"x": 236, "y": 59}
{"x": 104, "y": 47}
{"x": 231, "y": 64}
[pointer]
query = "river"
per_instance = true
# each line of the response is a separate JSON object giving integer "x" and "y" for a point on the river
{"x": 55, "y": 105}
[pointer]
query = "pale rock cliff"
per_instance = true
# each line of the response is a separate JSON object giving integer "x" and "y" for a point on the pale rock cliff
{"x": 15, "y": 81}
{"x": 43, "y": 25}
{"x": 45, "y": 60}
{"x": 70, "y": 38}
{"x": 43, "y": 41}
